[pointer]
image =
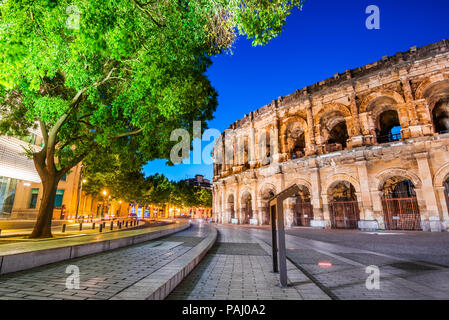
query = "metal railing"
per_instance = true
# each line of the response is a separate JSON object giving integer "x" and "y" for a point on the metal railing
{"x": 344, "y": 214}
{"x": 402, "y": 214}
{"x": 389, "y": 138}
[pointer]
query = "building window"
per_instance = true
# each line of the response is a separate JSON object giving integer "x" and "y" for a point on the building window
{"x": 7, "y": 194}
{"x": 33, "y": 198}
{"x": 59, "y": 197}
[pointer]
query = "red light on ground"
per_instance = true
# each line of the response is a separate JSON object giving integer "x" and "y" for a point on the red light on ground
{"x": 325, "y": 264}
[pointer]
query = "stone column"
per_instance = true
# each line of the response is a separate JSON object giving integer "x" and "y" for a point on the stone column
{"x": 428, "y": 192}
{"x": 326, "y": 211}
{"x": 408, "y": 94}
{"x": 289, "y": 206}
{"x": 444, "y": 209}
{"x": 318, "y": 217}
{"x": 376, "y": 197}
{"x": 367, "y": 216}
{"x": 274, "y": 141}
{"x": 252, "y": 148}
{"x": 311, "y": 146}
{"x": 262, "y": 208}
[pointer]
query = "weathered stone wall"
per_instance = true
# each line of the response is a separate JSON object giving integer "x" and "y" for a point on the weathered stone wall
{"x": 331, "y": 132}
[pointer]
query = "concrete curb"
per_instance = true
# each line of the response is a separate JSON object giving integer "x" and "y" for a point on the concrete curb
{"x": 158, "y": 285}
{"x": 28, "y": 260}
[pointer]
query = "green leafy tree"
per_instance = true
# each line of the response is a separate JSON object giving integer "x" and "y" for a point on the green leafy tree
{"x": 100, "y": 75}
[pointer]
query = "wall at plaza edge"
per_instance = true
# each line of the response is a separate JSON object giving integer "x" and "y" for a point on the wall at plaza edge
{"x": 369, "y": 149}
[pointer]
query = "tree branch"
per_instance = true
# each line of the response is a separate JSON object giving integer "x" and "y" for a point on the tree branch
{"x": 127, "y": 134}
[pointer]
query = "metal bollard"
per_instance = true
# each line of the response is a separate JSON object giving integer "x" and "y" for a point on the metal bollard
{"x": 112, "y": 225}
{"x": 93, "y": 225}
{"x": 119, "y": 225}
{"x": 81, "y": 226}
{"x": 0, "y": 232}
{"x": 101, "y": 227}
{"x": 63, "y": 228}
{"x": 126, "y": 225}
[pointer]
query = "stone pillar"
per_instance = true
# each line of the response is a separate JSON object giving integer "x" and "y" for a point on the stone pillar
{"x": 356, "y": 136}
{"x": 274, "y": 141}
{"x": 367, "y": 215}
{"x": 326, "y": 211}
{"x": 428, "y": 193}
{"x": 408, "y": 94}
{"x": 315, "y": 193}
{"x": 262, "y": 208}
{"x": 441, "y": 191}
{"x": 252, "y": 148}
{"x": 289, "y": 206}
{"x": 376, "y": 197}
{"x": 311, "y": 146}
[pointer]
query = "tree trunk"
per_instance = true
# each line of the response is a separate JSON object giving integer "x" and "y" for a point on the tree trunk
{"x": 42, "y": 228}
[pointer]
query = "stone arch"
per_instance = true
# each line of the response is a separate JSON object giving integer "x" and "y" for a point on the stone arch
{"x": 383, "y": 176}
{"x": 371, "y": 99}
{"x": 419, "y": 93}
{"x": 297, "y": 125}
{"x": 386, "y": 112}
{"x": 302, "y": 182}
{"x": 429, "y": 89}
{"x": 343, "y": 109}
{"x": 436, "y": 95}
{"x": 441, "y": 175}
{"x": 334, "y": 122}
{"x": 265, "y": 189}
{"x": 246, "y": 205}
{"x": 337, "y": 178}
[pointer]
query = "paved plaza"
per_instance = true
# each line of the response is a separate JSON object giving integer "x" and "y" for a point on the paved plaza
{"x": 239, "y": 267}
{"x": 412, "y": 265}
{"x": 104, "y": 275}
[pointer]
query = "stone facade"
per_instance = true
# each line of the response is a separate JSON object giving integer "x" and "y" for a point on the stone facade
{"x": 374, "y": 140}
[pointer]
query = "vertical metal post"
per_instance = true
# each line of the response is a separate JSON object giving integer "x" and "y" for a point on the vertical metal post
{"x": 274, "y": 246}
{"x": 281, "y": 243}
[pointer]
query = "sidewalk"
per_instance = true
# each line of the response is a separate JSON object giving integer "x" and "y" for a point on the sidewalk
{"x": 72, "y": 229}
{"x": 239, "y": 267}
{"x": 105, "y": 275}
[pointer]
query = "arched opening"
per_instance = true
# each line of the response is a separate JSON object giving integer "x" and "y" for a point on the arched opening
{"x": 400, "y": 205}
{"x": 247, "y": 208}
{"x": 302, "y": 209}
{"x": 295, "y": 141}
{"x": 231, "y": 208}
{"x": 343, "y": 206}
{"x": 299, "y": 146}
{"x": 440, "y": 114}
{"x": 338, "y": 137}
{"x": 389, "y": 127}
{"x": 446, "y": 191}
{"x": 267, "y": 194}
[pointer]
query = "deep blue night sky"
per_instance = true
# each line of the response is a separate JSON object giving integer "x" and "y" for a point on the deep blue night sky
{"x": 326, "y": 37}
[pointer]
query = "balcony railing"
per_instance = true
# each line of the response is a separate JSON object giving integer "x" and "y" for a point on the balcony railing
{"x": 389, "y": 138}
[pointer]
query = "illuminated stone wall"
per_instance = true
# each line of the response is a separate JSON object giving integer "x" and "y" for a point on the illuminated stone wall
{"x": 386, "y": 121}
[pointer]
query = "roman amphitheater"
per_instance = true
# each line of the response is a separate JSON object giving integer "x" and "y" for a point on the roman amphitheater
{"x": 369, "y": 149}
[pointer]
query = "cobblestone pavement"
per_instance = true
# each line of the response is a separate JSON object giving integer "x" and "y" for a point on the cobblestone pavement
{"x": 101, "y": 275}
{"x": 239, "y": 268}
{"x": 409, "y": 265}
